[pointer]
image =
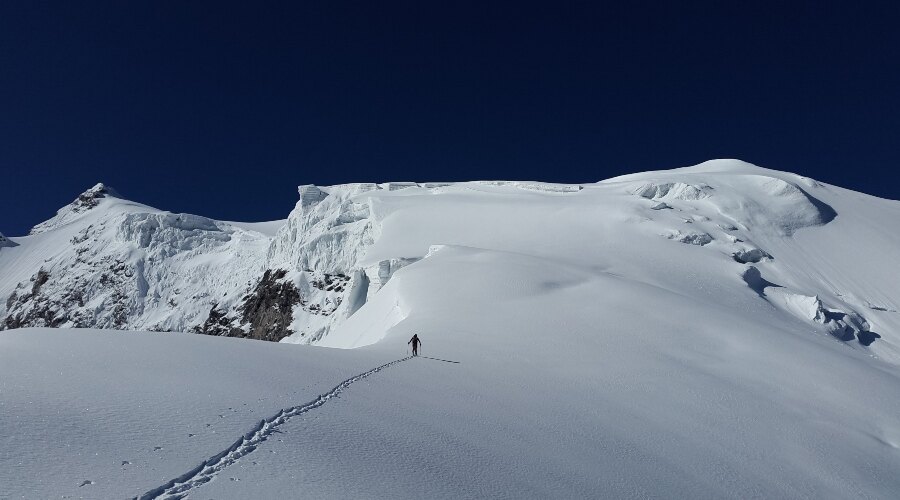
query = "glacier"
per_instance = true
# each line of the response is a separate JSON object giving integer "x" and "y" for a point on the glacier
{"x": 719, "y": 330}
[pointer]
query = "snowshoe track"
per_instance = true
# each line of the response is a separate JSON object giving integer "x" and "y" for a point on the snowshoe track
{"x": 180, "y": 486}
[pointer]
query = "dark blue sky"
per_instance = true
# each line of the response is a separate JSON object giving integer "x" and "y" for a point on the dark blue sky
{"x": 222, "y": 108}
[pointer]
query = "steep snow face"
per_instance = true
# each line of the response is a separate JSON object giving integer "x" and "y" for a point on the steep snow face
{"x": 328, "y": 230}
{"x": 143, "y": 269}
{"x": 719, "y": 219}
{"x": 86, "y": 201}
{"x": 109, "y": 263}
{"x": 719, "y": 331}
{"x": 105, "y": 262}
{"x": 702, "y": 231}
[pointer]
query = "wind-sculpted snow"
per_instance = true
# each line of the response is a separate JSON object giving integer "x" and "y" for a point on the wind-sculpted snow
{"x": 760, "y": 203}
{"x": 173, "y": 232}
{"x": 327, "y": 232}
{"x": 544, "y": 187}
{"x": 716, "y": 331}
{"x": 111, "y": 263}
{"x": 673, "y": 190}
{"x": 844, "y": 325}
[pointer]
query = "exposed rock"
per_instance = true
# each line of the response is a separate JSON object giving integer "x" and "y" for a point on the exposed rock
{"x": 32, "y": 309}
{"x": 265, "y": 314}
{"x": 269, "y": 309}
{"x": 39, "y": 279}
{"x": 83, "y": 203}
{"x": 331, "y": 282}
{"x": 750, "y": 255}
{"x": 218, "y": 324}
{"x": 90, "y": 198}
{"x": 699, "y": 239}
{"x": 60, "y": 299}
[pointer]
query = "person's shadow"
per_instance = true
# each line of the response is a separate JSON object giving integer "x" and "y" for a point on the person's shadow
{"x": 438, "y": 359}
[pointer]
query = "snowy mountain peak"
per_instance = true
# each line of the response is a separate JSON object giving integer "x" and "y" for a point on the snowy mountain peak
{"x": 747, "y": 195}
{"x": 723, "y": 225}
{"x": 100, "y": 189}
{"x": 91, "y": 197}
{"x": 668, "y": 317}
{"x": 732, "y": 165}
{"x": 84, "y": 202}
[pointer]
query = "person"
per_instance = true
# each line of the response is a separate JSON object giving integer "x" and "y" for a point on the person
{"x": 415, "y": 343}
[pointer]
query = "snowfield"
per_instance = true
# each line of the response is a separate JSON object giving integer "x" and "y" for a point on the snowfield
{"x": 721, "y": 330}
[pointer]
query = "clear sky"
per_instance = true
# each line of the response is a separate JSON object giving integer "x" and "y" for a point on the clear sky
{"x": 223, "y": 108}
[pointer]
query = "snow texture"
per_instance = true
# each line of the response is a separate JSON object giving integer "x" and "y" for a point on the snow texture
{"x": 740, "y": 343}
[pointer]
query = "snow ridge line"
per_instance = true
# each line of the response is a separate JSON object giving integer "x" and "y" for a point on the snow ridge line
{"x": 177, "y": 488}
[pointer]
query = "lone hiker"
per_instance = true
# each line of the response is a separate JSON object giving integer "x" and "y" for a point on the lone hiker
{"x": 415, "y": 344}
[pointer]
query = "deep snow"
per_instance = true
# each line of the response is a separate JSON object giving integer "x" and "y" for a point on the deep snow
{"x": 721, "y": 330}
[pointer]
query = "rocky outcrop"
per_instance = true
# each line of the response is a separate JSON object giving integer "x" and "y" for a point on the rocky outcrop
{"x": 73, "y": 300}
{"x": 83, "y": 203}
{"x": 269, "y": 310}
{"x": 34, "y": 308}
{"x": 266, "y": 313}
{"x": 749, "y": 255}
{"x": 90, "y": 198}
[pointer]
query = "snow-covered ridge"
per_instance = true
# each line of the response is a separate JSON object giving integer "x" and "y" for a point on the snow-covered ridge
{"x": 86, "y": 201}
{"x": 722, "y": 225}
{"x": 720, "y": 331}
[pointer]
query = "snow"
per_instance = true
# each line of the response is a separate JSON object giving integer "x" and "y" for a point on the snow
{"x": 83, "y": 402}
{"x": 741, "y": 343}
{"x": 119, "y": 264}
{"x": 6, "y": 242}
{"x": 268, "y": 228}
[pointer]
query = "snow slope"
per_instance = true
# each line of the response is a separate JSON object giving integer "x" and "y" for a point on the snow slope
{"x": 106, "y": 262}
{"x": 721, "y": 330}
{"x": 812, "y": 251}
{"x": 129, "y": 411}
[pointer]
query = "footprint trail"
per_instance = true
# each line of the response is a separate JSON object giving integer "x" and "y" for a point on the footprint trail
{"x": 180, "y": 486}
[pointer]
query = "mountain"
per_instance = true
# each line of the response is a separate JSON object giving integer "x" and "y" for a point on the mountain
{"x": 721, "y": 330}
{"x": 812, "y": 252}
